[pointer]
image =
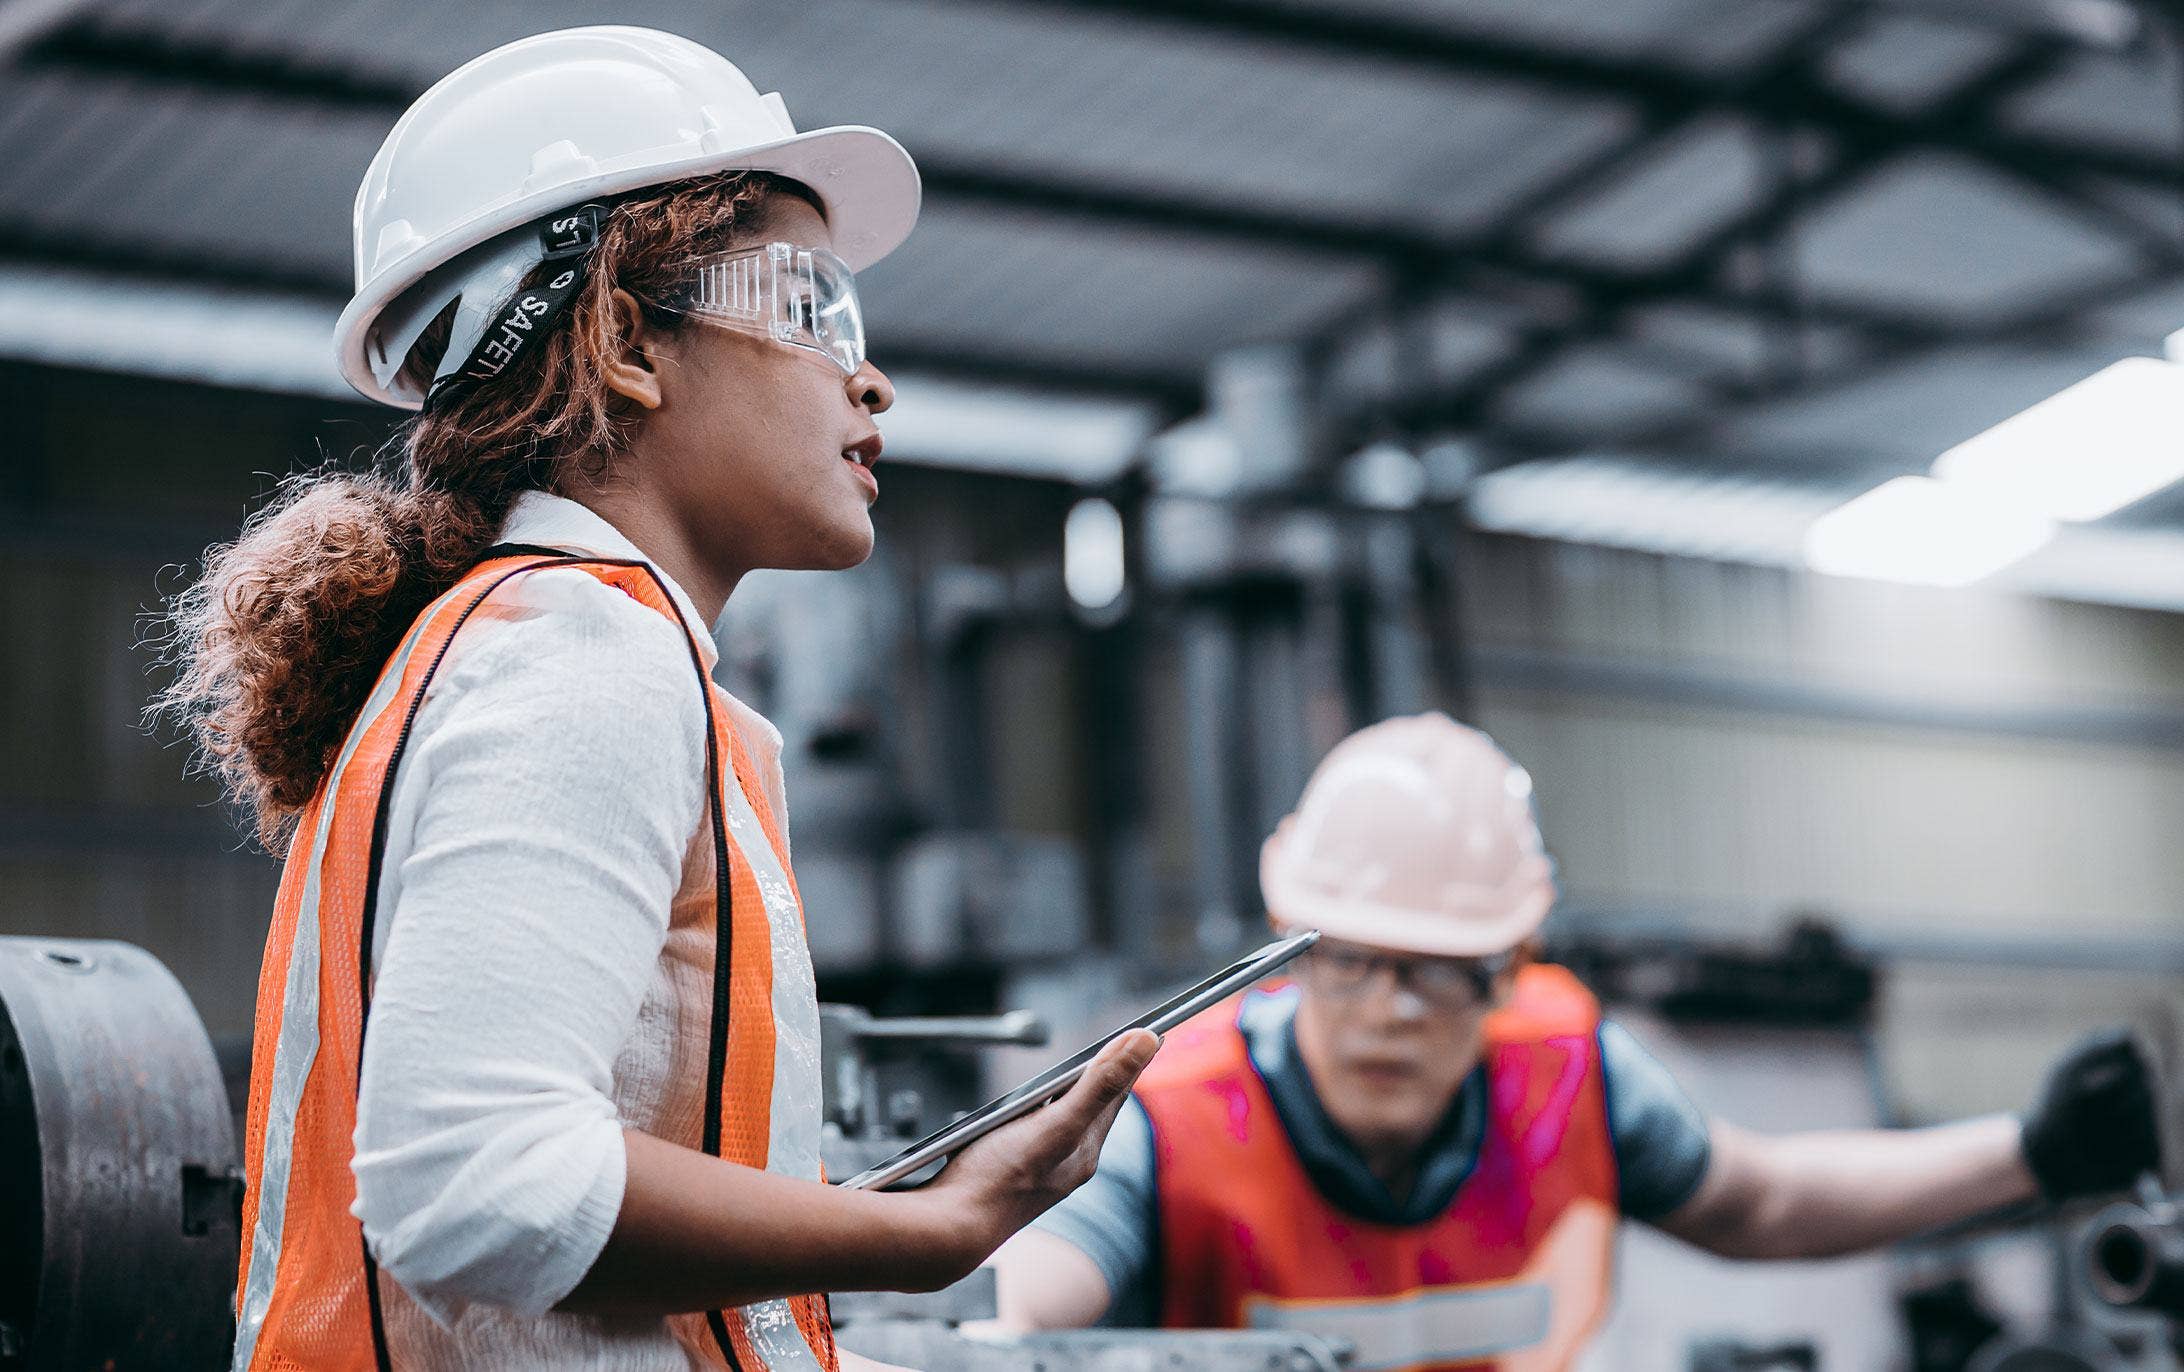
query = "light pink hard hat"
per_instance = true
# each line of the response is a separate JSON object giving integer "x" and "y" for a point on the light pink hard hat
{"x": 1415, "y": 834}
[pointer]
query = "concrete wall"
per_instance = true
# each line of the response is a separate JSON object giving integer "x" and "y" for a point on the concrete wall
{"x": 1714, "y": 744}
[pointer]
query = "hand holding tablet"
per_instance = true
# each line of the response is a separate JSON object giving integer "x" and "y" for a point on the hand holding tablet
{"x": 1058, "y": 1079}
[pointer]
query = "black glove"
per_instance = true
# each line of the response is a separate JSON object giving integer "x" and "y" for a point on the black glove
{"x": 2093, "y": 1130}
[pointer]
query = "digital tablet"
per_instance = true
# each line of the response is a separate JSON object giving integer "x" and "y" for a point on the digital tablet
{"x": 1060, "y": 1077}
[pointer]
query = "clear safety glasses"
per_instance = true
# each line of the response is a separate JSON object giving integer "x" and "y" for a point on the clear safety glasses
{"x": 1344, "y": 972}
{"x": 804, "y": 297}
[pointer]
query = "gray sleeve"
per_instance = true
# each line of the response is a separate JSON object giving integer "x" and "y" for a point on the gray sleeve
{"x": 1111, "y": 1217}
{"x": 1661, "y": 1143}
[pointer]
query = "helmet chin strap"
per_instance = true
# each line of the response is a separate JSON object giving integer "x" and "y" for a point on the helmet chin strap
{"x": 492, "y": 329}
{"x": 489, "y": 271}
{"x": 482, "y": 283}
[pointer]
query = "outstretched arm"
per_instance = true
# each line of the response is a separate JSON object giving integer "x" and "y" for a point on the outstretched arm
{"x": 1823, "y": 1195}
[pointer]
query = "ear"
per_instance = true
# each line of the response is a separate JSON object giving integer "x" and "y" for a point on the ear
{"x": 629, "y": 370}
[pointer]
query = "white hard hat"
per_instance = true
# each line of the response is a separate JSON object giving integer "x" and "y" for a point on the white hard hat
{"x": 1414, "y": 834}
{"x": 558, "y": 119}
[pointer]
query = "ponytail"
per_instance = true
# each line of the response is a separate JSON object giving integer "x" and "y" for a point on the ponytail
{"x": 277, "y": 644}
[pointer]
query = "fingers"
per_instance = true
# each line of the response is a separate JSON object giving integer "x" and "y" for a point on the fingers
{"x": 1095, "y": 1133}
{"x": 1117, "y": 1067}
{"x": 1128, "y": 1055}
{"x": 1106, "y": 1083}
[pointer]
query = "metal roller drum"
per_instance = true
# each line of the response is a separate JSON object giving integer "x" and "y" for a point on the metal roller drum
{"x": 118, "y": 1168}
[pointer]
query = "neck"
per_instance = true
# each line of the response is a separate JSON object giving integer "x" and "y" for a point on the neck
{"x": 651, "y": 523}
{"x": 1395, "y": 1164}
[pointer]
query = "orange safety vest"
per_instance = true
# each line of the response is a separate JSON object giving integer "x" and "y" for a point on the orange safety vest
{"x": 308, "y": 1295}
{"x": 1512, "y": 1277}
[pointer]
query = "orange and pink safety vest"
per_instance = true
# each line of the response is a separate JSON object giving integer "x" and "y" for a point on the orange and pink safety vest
{"x": 1512, "y": 1277}
{"x": 308, "y": 1294}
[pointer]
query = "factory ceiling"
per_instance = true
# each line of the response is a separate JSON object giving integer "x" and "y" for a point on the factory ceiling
{"x": 1811, "y": 239}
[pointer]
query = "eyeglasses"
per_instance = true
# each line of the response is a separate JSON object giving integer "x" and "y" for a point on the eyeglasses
{"x": 1346, "y": 972}
{"x": 803, "y": 297}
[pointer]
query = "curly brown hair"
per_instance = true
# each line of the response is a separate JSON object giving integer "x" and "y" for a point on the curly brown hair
{"x": 277, "y": 644}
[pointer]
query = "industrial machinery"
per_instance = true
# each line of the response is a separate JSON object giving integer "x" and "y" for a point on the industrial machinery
{"x": 2134, "y": 1260}
{"x": 119, "y": 1216}
{"x": 119, "y": 1191}
{"x": 120, "y": 1205}
{"x": 2118, "y": 1288}
{"x": 2131, "y": 1256}
{"x": 1733, "y": 1355}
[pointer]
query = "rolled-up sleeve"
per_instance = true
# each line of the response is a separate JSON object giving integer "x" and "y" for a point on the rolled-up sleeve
{"x": 1662, "y": 1143}
{"x": 544, "y": 810}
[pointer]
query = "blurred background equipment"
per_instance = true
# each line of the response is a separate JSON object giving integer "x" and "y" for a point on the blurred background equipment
{"x": 1268, "y": 367}
{"x": 2134, "y": 1258}
{"x": 2131, "y": 1256}
{"x": 120, "y": 1185}
{"x": 122, "y": 1197}
{"x": 1728, "y": 1355}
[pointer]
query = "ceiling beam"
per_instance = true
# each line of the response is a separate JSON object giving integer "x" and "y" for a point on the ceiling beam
{"x": 1665, "y": 95}
{"x": 2056, "y": 318}
{"x": 1479, "y": 260}
{"x": 1539, "y": 344}
{"x": 23, "y": 21}
{"x": 1471, "y": 404}
{"x": 1655, "y": 88}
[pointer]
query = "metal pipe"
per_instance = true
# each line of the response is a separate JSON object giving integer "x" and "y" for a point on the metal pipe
{"x": 2133, "y": 1259}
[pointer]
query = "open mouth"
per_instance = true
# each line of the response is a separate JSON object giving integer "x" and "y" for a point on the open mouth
{"x": 864, "y": 452}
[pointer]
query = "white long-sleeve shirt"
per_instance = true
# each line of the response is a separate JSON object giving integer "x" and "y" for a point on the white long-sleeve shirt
{"x": 541, "y": 959}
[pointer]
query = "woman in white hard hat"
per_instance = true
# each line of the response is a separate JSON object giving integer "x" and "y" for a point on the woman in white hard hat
{"x": 530, "y": 845}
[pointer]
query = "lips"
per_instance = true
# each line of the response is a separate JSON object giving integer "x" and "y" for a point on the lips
{"x": 861, "y": 456}
{"x": 1384, "y": 1070}
{"x": 865, "y": 452}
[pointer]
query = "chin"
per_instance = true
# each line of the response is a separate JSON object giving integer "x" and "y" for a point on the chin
{"x": 839, "y": 548}
{"x": 1383, "y": 1135}
{"x": 1377, "y": 1117}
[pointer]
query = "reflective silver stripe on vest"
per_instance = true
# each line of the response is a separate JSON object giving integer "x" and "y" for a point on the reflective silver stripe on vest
{"x": 297, "y": 1047}
{"x": 792, "y": 1146}
{"x": 1447, "y": 1325}
{"x": 776, "y": 1338}
{"x": 793, "y": 1142}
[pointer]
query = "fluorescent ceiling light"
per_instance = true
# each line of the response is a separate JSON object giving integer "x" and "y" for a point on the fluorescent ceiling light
{"x": 1092, "y": 554}
{"x": 2087, "y": 451}
{"x": 252, "y": 340}
{"x": 1623, "y": 503}
{"x": 1923, "y": 531}
{"x": 1384, "y": 476}
{"x": 1626, "y": 502}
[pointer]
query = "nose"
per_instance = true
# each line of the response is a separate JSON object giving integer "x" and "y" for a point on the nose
{"x": 1389, "y": 993}
{"x": 1407, "y": 1005}
{"x": 869, "y": 389}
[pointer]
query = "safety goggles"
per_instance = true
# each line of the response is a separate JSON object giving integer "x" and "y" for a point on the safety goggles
{"x": 1344, "y": 972}
{"x": 804, "y": 297}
